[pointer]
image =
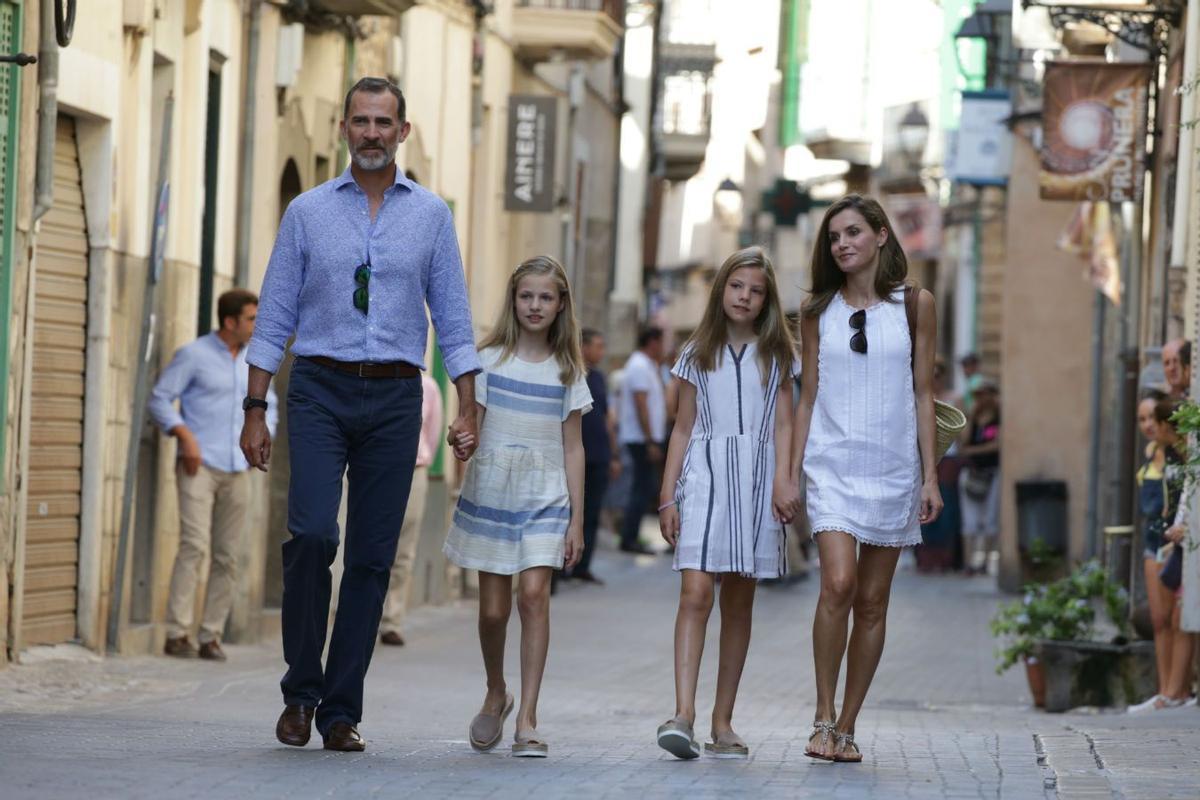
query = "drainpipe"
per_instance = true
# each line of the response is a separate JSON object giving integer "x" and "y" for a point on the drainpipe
{"x": 47, "y": 111}
{"x": 246, "y": 190}
{"x": 1187, "y": 139}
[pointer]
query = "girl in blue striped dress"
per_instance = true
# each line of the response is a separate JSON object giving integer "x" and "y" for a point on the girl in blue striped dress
{"x": 521, "y": 506}
{"x": 726, "y": 493}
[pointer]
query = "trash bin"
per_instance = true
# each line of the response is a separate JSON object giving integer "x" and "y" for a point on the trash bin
{"x": 1042, "y": 516}
{"x": 1118, "y": 554}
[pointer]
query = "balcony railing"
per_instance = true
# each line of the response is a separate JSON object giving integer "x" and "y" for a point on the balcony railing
{"x": 685, "y": 107}
{"x": 360, "y": 8}
{"x": 615, "y": 9}
{"x": 577, "y": 29}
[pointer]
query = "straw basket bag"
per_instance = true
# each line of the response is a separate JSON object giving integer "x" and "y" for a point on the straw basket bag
{"x": 950, "y": 421}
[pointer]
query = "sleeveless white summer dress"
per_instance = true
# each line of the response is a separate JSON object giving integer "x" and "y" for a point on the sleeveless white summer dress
{"x": 861, "y": 462}
{"x": 724, "y": 488}
{"x": 513, "y": 510}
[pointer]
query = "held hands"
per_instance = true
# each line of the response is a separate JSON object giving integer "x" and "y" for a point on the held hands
{"x": 189, "y": 451}
{"x": 1175, "y": 533}
{"x": 785, "y": 500}
{"x": 464, "y": 435}
{"x": 931, "y": 502}
{"x": 668, "y": 523}
{"x": 256, "y": 439}
{"x": 574, "y": 549}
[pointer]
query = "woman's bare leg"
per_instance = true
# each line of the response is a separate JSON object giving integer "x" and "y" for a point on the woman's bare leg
{"x": 1182, "y": 645}
{"x": 691, "y": 622}
{"x": 1162, "y": 606}
{"x": 495, "y": 606}
{"x": 737, "y": 613}
{"x": 839, "y": 577}
{"x": 876, "y": 566}
{"x": 533, "y": 604}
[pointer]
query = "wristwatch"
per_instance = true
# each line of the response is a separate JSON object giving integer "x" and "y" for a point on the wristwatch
{"x": 253, "y": 402}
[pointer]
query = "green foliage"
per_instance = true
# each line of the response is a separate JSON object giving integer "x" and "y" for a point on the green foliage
{"x": 1062, "y": 611}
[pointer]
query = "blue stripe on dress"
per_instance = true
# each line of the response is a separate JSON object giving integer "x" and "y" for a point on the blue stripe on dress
{"x": 522, "y": 387}
{"x": 495, "y": 530}
{"x": 507, "y": 517}
{"x": 524, "y": 405}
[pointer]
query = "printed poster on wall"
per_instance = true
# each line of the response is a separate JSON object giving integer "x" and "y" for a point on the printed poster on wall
{"x": 1094, "y": 131}
{"x": 529, "y": 177}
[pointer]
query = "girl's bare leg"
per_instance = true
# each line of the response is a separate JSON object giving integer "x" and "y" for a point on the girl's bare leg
{"x": 533, "y": 604}
{"x": 495, "y": 606}
{"x": 691, "y": 622}
{"x": 737, "y": 612}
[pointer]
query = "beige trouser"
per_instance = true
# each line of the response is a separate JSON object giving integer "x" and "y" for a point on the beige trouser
{"x": 395, "y": 606}
{"x": 212, "y": 512}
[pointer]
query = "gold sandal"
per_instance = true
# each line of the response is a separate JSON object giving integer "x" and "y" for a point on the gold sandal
{"x": 826, "y": 729}
{"x": 844, "y": 739}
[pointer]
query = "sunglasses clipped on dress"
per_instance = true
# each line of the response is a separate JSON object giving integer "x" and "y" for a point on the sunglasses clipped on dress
{"x": 858, "y": 341}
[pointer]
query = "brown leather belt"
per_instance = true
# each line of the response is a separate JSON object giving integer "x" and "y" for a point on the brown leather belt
{"x": 365, "y": 369}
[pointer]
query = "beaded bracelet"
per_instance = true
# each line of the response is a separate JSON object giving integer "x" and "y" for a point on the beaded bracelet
{"x": 667, "y": 505}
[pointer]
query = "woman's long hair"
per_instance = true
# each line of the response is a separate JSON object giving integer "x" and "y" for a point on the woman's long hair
{"x": 775, "y": 342}
{"x": 827, "y": 276}
{"x": 563, "y": 335}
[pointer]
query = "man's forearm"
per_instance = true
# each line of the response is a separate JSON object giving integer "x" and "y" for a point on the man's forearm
{"x": 464, "y": 385}
{"x": 258, "y": 382}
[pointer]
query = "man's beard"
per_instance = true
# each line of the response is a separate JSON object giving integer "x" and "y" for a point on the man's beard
{"x": 372, "y": 160}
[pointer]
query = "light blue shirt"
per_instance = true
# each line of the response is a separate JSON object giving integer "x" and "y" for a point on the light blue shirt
{"x": 325, "y": 234}
{"x": 209, "y": 383}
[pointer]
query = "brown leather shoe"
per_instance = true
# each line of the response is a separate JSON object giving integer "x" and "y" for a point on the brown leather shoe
{"x": 295, "y": 725}
{"x": 342, "y": 736}
{"x": 179, "y": 647}
{"x": 392, "y": 638}
{"x": 212, "y": 651}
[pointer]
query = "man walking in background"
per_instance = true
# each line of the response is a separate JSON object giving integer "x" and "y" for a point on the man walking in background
{"x": 599, "y": 454}
{"x": 208, "y": 377}
{"x": 395, "y": 606}
{"x": 642, "y": 430}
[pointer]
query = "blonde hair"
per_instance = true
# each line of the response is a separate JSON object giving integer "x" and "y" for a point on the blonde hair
{"x": 775, "y": 342}
{"x": 563, "y": 335}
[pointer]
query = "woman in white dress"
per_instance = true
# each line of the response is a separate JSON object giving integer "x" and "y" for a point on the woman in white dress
{"x": 864, "y": 436}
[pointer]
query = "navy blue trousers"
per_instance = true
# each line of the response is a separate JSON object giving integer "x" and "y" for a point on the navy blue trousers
{"x": 371, "y": 427}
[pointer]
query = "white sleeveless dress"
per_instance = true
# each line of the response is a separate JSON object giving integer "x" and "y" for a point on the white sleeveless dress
{"x": 861, "y": 461}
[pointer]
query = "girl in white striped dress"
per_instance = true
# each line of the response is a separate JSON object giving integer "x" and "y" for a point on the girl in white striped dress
{"x": 726, "y": 493}
{"x": 521, "y": 506}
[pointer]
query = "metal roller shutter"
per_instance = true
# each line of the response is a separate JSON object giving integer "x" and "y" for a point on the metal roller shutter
{"x": 56, "y": 436}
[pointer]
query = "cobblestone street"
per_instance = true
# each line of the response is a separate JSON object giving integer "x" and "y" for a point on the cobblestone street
{"x": 938, "y": 723}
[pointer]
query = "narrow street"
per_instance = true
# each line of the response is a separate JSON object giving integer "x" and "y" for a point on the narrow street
{"x": 939, "y": 722}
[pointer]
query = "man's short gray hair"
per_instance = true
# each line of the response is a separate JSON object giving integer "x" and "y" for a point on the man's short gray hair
{"x": 376, "y": 86}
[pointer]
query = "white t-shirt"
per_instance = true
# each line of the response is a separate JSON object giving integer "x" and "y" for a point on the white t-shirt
{"x": 641, "y": 375}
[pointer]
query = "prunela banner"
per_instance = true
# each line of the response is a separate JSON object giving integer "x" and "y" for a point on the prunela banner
{"x": 1094, "y": 131}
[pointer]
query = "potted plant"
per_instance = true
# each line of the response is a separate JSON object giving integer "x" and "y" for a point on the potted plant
{"x": 1056, "y": 614}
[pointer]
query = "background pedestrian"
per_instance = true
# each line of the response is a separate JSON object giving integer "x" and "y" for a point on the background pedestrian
{"x": 395, "y": 605}
{"x": 979, "y": 482}
{"x": 601, "y": 461}
{"x": 208, "y": 377}
{"x": 642, "y": 432}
